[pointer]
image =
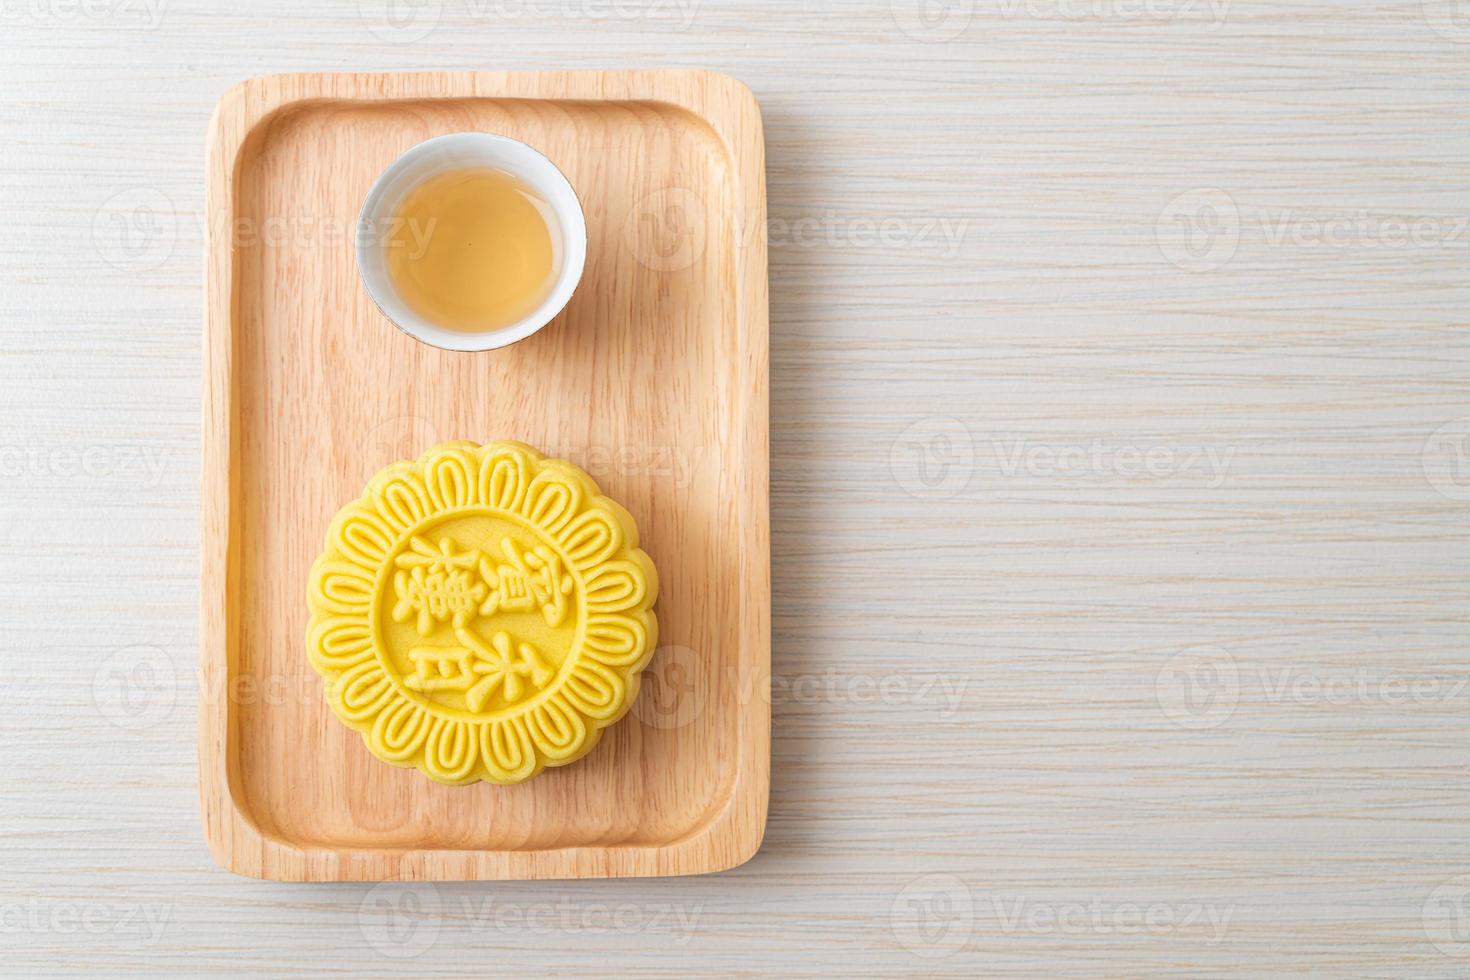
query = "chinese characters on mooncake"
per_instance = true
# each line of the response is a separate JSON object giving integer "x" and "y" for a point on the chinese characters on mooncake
{"x": 447, "y": 585}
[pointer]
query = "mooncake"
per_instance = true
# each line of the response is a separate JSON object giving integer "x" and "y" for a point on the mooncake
{"x": 481, "y": 612}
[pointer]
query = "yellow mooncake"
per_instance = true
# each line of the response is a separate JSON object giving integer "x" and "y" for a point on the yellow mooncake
{"x": 481, "y": 612}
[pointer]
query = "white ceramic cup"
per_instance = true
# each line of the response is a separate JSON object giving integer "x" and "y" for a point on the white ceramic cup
{"x": 460, "y": 151}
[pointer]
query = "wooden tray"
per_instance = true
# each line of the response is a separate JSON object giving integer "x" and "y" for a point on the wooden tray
{"x": 653, "y": 379}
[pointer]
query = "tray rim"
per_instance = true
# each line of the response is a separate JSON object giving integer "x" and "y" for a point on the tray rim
{"x": 735, "y": 831}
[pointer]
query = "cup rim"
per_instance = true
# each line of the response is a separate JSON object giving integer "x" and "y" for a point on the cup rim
{"x": 574, "y": 244}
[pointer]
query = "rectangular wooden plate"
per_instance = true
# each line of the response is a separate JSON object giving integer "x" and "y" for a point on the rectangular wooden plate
{"x": 654, "y": 380}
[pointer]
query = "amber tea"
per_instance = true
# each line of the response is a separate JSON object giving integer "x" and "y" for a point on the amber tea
{"x": 483, "y": 251}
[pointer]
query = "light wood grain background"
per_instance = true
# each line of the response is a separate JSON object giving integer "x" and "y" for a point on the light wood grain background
{"x": 1120, "y": 492}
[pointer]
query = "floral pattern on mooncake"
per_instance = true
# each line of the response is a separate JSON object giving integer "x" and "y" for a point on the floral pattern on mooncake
{"x": 481, "y": 612}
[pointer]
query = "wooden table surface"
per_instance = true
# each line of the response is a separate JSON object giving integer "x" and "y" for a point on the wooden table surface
{"x": 1120, "y": 426}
